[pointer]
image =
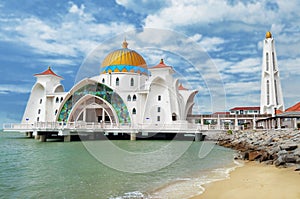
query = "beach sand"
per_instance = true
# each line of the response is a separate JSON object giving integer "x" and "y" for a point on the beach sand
{"x": 256, "y": 181}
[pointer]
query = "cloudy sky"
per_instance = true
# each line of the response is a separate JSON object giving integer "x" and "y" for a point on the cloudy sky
{"x": 36, "y": 34}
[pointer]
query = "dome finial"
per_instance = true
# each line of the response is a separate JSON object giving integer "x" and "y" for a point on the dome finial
{"x": 161, "y": 61}
{"x": 124, "y": 44}
{"x": 268, "y": 35}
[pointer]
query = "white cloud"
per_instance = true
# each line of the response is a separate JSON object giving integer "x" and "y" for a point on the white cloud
{"x": 143, "y": 6}
{"x": 10, "y": 88}
{"x": 77, "y": 33}
{"x": 77, "y": 10}
{"x": 217, "y": 14}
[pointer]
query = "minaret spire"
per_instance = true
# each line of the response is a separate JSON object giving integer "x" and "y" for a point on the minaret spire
{"x": 271, "y": 92}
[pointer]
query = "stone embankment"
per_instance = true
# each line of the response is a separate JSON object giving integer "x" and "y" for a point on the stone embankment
{"x": 278, "y": 147}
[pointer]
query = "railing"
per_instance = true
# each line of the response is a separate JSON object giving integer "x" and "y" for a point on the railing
{"x": 91, "y": 125}
{"x": 57, "y": 126}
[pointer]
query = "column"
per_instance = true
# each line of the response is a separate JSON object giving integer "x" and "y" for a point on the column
{"x": 218, "y": 123}
{"x": 279, "y": 123}
{"x": 236, "y": 123}
{"x": 43, "y": 138}
{"x": 254, "y": 122}
{"x": 295, "y": 123}
{"x": 202, "y": 121}
{"x": 132, "y": 136}
{"x": 67, "y": 138}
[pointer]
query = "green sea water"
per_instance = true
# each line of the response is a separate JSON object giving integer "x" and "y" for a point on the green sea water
{"x": 32, "y": 169}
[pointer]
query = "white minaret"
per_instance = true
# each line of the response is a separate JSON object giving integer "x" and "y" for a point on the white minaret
{"x": 271, "y": 93}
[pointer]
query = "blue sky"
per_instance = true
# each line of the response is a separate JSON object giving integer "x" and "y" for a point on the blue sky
{"x": 35, "y": 34}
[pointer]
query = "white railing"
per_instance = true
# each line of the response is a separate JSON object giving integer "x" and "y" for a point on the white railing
{"x": 105, "y": 126}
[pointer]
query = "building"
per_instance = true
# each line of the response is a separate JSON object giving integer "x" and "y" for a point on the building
{"x": 127, "y": 93}
{"x": 245, "y": 110}
{"x": 271, "y": 92}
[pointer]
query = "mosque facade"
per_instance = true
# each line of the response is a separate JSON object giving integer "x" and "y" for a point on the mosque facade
{"x": 127, "y": 92}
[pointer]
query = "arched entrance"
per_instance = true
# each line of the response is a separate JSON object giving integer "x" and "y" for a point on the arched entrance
{"x": 93, "y": 109}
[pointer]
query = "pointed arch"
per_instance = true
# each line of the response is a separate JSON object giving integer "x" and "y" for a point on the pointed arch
{"x": 134, "y": 98}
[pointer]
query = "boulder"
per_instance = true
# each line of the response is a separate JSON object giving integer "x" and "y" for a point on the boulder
{"x": 253, "y": 155}
{"x": 264, "y": 157}
{"x": 288, "y": 146}
{"x": 289, "y": 158}
{"x": 297, "y": 152}
{"x": 279, "y": 161}
{"x": 282, "y": 153}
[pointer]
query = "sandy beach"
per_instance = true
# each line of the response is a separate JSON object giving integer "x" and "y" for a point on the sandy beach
{"x": 257, "y": 181}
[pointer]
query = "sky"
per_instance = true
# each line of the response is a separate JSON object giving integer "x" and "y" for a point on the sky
{"x": 36, "y": 34}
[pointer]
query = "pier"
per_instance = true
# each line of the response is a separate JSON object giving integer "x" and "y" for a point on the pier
{"x": 196, "y": 129}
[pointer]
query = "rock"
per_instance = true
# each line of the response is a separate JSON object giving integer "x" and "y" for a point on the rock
{"x": 289, "y": 158}
{"x": 288, "y": 146}
{"x": 264, "y": 157}
{"x": 254, "y": 155}
{"x": 298, "y": 161}
{"x": 282, "y": 153}
{"x": 297, "y": 152}
{"x": 246, "y": 155}
{"x": 279, "y": 161}
{"x": 269, "y": 162}
{"x": 297, "y": 168}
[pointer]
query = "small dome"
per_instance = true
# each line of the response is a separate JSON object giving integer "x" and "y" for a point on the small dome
{"x": 124, "y": 60}
{"x": 268, "y": 35}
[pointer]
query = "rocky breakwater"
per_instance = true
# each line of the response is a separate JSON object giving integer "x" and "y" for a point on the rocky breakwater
{"x": 278, "y": 147}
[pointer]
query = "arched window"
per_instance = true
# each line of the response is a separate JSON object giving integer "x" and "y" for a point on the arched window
{"x": 134, "y": 98}
{"x": 268, "y": 92}
{"x": 37, "y": 119}
{"x": 55, "y": 112}
{"x": 158, "y": 109}
{"x": 39, "y": 111}
{"x": 158, "y": 118}
{"x": 61, "y": 99}
{"x": 159, "y": 98}
{"x": 133, "y": 111}
{"x": 174, "y": 117}
{"x": 41, "y": 101}
{"x": 267, "y": 61}
{"x": 103, "y": 80}
{"x": 56, "y": 100}
{"x": 276, "y": 94}
{"x": 117, "y": 81}
{"x": 131, "y": 82}
{"x": 273, "y": 59}
{"x": 128, "y": 98}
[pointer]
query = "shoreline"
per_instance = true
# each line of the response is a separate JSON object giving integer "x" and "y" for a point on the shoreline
{"x": 255, "y": 180}
{"x": 194, "y": 185}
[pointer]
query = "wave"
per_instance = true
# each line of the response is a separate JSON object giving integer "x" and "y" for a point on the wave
{"x": 186, "y": 187}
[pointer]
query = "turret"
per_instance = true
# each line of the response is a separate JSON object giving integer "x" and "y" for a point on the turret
{"x": 43, "y": 97}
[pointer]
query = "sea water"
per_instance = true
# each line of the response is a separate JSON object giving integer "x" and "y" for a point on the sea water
{"x": 33, "y": 169}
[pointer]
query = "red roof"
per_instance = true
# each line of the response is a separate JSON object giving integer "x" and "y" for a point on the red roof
{"x": 48, "y": 72}
{"x": 278, "y": 112}
{"x": 296, "y": 107}
{"x": 180, "y": 87}
{"x": 246, "y": 108}
{"x": 161, "y": 65}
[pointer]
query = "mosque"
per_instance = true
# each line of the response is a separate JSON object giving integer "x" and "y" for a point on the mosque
{"x": 130, "y": 97}
{"x": 126, "y": 93}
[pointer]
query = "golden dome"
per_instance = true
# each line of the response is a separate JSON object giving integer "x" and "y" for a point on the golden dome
{"x": 268, "y": 35}
{"x": 124, "y": 56}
